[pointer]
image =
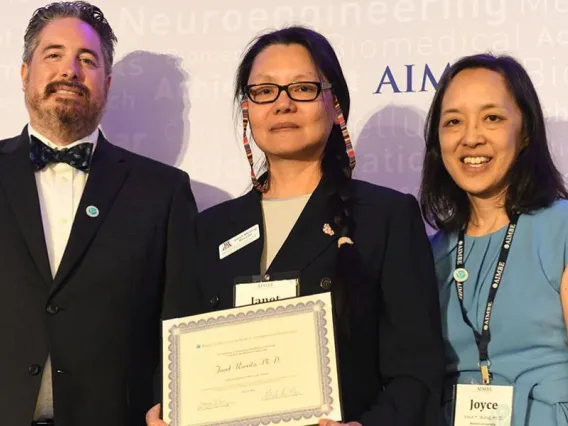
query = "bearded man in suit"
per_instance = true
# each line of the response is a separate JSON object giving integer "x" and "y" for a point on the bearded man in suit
{"x": 92, "y": 237}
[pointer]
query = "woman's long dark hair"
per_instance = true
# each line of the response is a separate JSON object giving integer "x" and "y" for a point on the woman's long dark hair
{"x": 335, "y": 161}
{"x": 534, "y": 182}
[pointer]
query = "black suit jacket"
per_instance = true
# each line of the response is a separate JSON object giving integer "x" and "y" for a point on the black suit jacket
{"x": 390, "y": 345}
{"x": 99, "y": 318}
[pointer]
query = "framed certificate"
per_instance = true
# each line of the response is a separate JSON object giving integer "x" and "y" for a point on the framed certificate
{"x": 267, "y": 364}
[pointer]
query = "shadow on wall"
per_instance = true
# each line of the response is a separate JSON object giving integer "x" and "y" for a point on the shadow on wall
{"x": 390, "y": 149}
{"x": 557, "y": 131}
{"x": 148, "y": 113}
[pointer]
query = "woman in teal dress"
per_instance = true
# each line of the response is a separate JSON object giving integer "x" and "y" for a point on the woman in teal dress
{"x": 491, "y": 188}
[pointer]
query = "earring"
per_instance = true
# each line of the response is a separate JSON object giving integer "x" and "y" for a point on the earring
{"x": 343, "y": 125}
{"x": 261, "y": 187}
{"x": 525, "y": 142}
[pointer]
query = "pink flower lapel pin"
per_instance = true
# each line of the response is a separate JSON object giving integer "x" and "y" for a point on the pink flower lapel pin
{"x": 327, "y": 230}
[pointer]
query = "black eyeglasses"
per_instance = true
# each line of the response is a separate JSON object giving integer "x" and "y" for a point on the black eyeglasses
{"x": 301, "y": 91}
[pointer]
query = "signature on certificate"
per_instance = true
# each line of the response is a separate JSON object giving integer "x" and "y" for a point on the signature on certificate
{"x": 285, "y": 392}
{"x": 213, "y": 405}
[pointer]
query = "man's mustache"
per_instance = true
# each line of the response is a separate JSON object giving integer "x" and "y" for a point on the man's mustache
{"x": 72, "y": 86}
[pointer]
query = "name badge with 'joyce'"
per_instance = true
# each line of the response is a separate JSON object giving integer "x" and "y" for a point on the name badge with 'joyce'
{"x": 265, "y": 291}
{"x": 481, "y": 405}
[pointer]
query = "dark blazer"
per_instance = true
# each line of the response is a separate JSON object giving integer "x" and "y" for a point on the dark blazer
{"x": 390, "y": 345}
{"x": 99, "y": 318}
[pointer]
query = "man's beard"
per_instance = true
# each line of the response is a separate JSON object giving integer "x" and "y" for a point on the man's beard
{"x": 72, "y": 119}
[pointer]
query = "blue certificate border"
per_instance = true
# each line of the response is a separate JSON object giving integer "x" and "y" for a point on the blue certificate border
{"x": 321, "y": 323}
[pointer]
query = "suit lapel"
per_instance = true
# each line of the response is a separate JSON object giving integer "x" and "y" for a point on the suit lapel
{"x": 307, "y": 239}
{"x": 109, "y": 169}
{"x": 18, "y": 182}
{"x": 245, "y": 213}
{"x": 304, "y": 243}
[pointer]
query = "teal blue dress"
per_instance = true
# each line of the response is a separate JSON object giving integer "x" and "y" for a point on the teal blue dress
{"x": 529, "y": 344}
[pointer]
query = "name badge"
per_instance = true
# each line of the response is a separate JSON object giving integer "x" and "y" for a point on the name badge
{"x": 239, "y": 241}
{"x": 265, "y": 291}
{"x": 481, "y": 405}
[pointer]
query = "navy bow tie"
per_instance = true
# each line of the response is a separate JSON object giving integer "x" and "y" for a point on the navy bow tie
{"x": 78, "y": 156}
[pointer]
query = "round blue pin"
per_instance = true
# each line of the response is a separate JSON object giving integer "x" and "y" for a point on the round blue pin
{"x": 92, "y": 211}
{"x": 461, "y": 275}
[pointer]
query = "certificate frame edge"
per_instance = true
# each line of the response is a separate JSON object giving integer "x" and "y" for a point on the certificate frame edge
{"x": 282, "y": 307}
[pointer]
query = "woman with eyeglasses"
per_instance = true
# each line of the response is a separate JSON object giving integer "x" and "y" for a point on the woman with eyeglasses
{"x": 365, "y": 244}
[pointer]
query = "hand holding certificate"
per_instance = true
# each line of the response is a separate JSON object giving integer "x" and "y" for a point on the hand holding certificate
{"x": 263, "y": 364}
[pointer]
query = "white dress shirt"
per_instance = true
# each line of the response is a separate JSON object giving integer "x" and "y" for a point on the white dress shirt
{"x": 60, "y": 187}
